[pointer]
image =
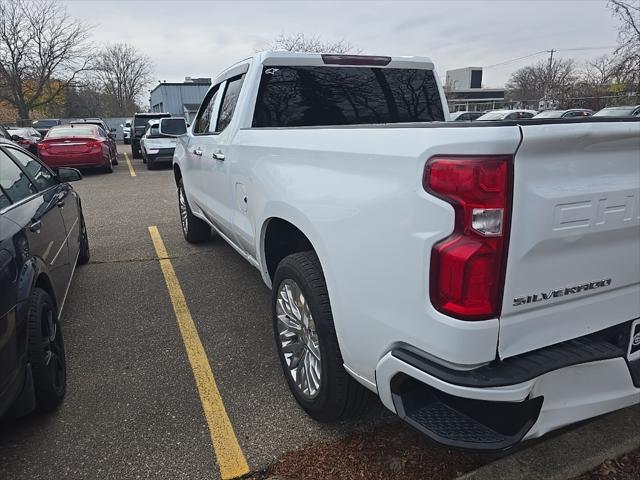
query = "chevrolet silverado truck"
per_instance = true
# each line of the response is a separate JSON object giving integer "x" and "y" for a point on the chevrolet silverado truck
{"x": 482, "y": 279}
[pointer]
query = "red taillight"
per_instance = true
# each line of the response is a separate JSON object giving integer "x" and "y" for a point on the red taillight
{"x": 42, "y": 146}
{"x": 467, "y": 268}
{"x": 95, "y": 144}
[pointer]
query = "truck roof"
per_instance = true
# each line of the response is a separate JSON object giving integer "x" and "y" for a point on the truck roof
{"x": 284, "y": 58}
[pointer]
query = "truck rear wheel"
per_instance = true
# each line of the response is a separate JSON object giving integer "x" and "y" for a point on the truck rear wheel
{"x": 194, "y": 229}
{"x": 307, "y": 343}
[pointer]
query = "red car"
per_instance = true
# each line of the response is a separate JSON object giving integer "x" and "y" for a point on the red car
{"x": 77, "y": 146}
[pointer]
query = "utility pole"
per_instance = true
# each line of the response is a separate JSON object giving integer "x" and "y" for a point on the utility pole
{"x": 547, "y": 90}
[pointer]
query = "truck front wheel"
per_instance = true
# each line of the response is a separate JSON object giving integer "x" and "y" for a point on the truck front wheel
{"x": 307, "y": 343}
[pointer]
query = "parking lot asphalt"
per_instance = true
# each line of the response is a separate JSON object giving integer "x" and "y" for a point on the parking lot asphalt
{"x": 132, "y": 408}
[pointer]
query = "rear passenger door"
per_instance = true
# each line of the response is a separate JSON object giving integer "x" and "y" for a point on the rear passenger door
{"x": 35, "y": 197}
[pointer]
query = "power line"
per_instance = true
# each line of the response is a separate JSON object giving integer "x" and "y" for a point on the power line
{"x": 515, "y": 59}
{"x": 506, "y": 62}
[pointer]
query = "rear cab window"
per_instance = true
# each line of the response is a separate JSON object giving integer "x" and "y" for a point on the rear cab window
{"x": 299, "y": 96}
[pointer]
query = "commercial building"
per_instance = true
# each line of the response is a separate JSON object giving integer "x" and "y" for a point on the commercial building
{"x": 463, "y": 89}
{"x": 179, "y": 99}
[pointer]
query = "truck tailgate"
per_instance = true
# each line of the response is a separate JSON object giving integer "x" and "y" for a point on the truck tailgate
{"x": 573, "y": 265}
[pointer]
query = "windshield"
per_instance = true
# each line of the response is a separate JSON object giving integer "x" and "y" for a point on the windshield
{"x": 492, "y": 116}
{"x": 143, "y": 120}
{"x": 614, "y": 112}
{"x": 174, "y": 126}
{"x": 80, "y": 131}
{"x": 45, "y": 123}
{"x": 550, "y": 114}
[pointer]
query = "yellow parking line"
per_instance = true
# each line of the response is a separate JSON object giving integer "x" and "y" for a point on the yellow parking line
{"x": 131, "y": 170}
{"x": 231, "y": 460}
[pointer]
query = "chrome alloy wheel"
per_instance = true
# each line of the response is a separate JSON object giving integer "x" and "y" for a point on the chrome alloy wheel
{"x": 182, "y": 202}
{"x": 298, "y": 338}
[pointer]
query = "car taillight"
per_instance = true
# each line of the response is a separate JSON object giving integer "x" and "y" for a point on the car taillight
{"x": 467, "y": 268}
{"x": 42, "y": 146}
{"x": 95, "y": 144}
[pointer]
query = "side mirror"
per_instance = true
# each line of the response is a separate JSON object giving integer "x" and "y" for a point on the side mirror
{"x": 66, "y": 174}
{"x": 173, "y": 126}
{"x": 16, "y": 138}
{"x": 111, "y": 135}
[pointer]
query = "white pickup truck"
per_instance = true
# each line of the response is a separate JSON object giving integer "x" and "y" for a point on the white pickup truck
{"x": 483, "y": 279}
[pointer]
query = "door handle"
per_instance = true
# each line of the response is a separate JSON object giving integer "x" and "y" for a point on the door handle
{"x": 35, "y": 226}
{"x": 197, "y": 151}
{"x": 219, "y": 156}
{"x": 60, "y": 203}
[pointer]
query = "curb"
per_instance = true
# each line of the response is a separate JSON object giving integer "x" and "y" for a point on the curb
{"x": 571, "y": 453}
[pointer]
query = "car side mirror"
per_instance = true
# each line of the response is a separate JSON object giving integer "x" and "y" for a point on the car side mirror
{"x": 16, "y": 138}
{"x": 111, "y": 135}
{"x": 66, "y": 174}
{"x": 172, "y": 126}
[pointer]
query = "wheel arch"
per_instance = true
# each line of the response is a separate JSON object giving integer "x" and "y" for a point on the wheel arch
{"x": 283, "y": 234}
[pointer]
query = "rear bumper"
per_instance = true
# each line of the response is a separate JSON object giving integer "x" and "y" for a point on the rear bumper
{"x": 460, "y": 410}
{"x": 162, "y": 155}
{"x": 73, "y": 160}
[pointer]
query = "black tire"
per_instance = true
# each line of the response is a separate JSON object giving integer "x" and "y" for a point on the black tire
{"x": 339, "y": 396}
{"x": 150, "y": 164}
{"x": 85, "y": 254}
{"x": 46, "y": 356}
{"x": 135, "y": 151}
{"x": 195, "y": 230}
{"x": 115, "y": 159}
{"x": 108, "y": 168}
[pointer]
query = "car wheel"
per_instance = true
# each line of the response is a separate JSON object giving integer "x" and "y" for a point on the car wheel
{"x": 46, "y": 351}
{"x": 150, "y": 164}
{"x": 85, "y": 254}
{"x": 307, "y": 343}
{"x": 115, "y": 158}
{"x": 108, "y": 168}
{"x": 194, "y": 229}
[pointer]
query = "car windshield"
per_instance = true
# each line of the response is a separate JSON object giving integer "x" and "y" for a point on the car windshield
{"x": 78, "y": 131}
{"x": 492, "y": 116}
{"x": 45, "y": 123}
{"x": 174, "y": 126}
{"x": 550, "y": 114}
{"x": 614, "y": 112}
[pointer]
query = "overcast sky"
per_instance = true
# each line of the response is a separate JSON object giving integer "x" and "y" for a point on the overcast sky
{"x": 199, "y": 38}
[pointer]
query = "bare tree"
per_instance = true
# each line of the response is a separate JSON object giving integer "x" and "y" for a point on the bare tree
{"x": 123, "y": 73}
{"x": 553, "y": 79}
{"x": 42, "y": 52}
{"x": 628, "y": 51}
{"x": 299, "y": 42}
{"x": 628, "y": 12}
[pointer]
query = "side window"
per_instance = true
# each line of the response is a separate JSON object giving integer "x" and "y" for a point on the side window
{"x": 4, "y": 200}
{"x": 229, "y": 101}
{"x": 101, "y": 132}
{"x": 203, "y": 120}
{"x": 14, "y": 182}
{"x": 41, "y": 176}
